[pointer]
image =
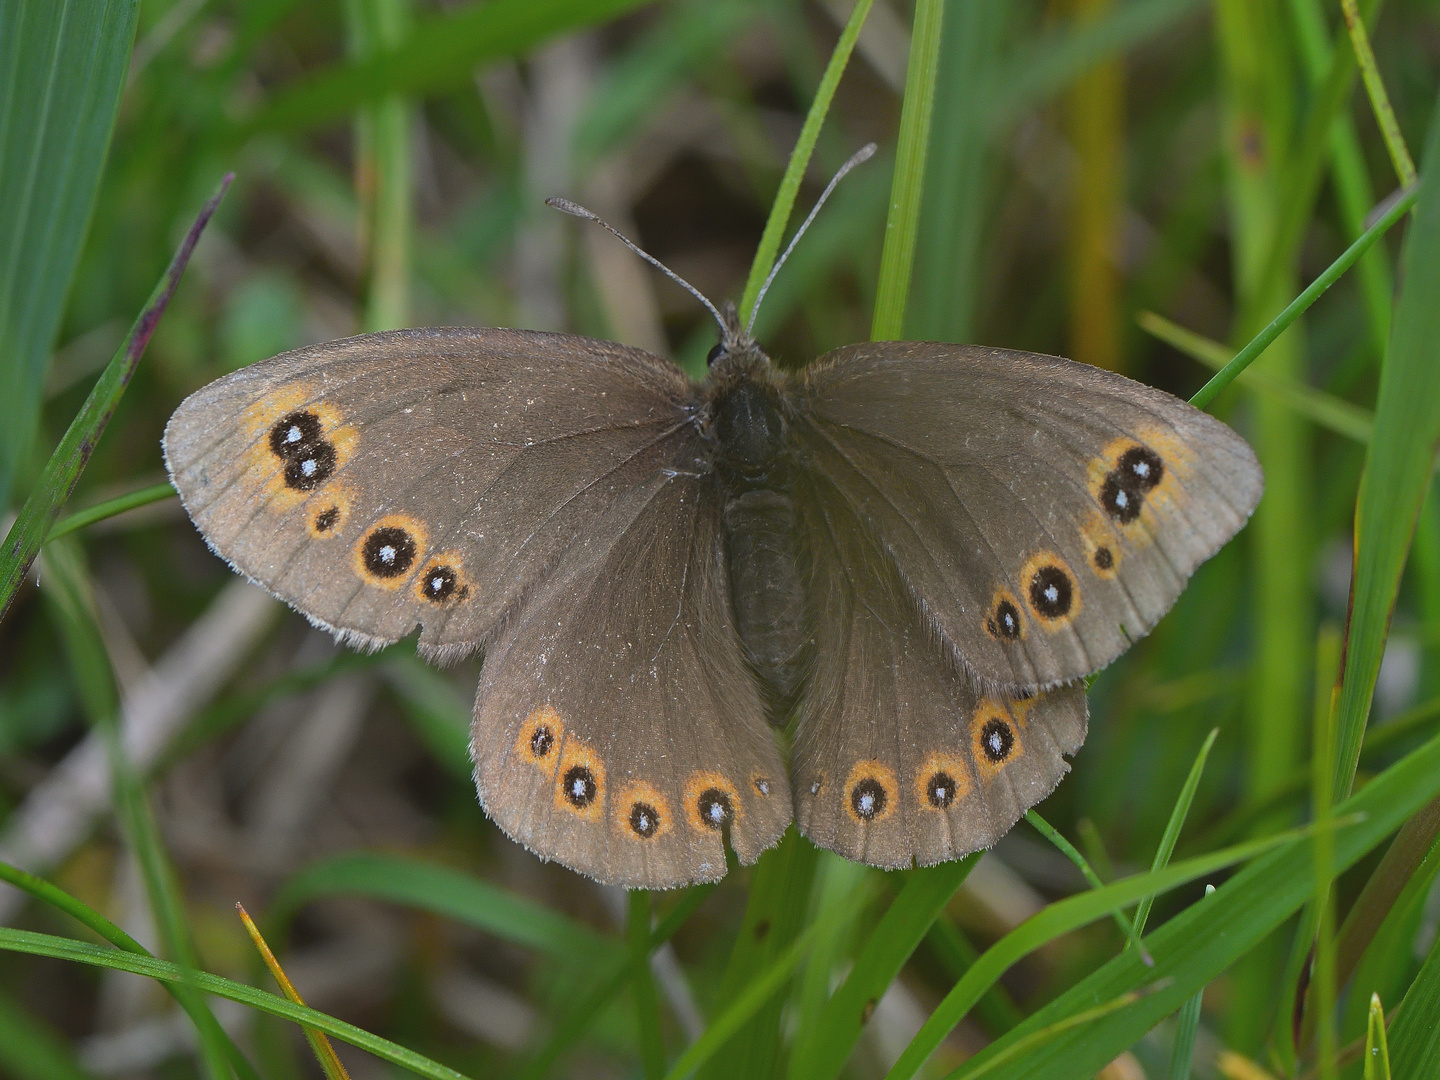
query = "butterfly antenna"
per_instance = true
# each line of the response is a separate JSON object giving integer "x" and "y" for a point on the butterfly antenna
{"x": 579, "y": 211}
{"x": 864, "y": 154}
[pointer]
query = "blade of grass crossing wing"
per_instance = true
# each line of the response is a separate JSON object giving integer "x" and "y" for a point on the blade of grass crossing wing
{"x": 81, "y": 952}
{"x": 62, "y": 471}
{"x": 821, "y": 1052}
{"x": 62, "y": 70}
{"x": 1377, "y": 1051}
{"x": 1397, "y": 467}
{"x": 1176, "y": 823}
{"x": 800, "y": 159}
{"x": 897, "y": 259}
{"x": 1202, "y": 941}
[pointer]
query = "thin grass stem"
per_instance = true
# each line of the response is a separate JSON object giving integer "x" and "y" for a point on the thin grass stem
{"x": 1379, "y": 100}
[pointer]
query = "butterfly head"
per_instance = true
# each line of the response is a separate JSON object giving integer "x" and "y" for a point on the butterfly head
{"x": 736, "y": 349}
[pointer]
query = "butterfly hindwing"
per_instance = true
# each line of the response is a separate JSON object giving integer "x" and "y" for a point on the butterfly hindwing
{"x": 616, "y": 726}
{"x": 898, "y": 760}
{"x": 421, "y": 477}
{"x": 1045, "y": 513}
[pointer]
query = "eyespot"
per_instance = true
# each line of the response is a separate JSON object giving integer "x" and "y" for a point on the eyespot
{"x": 711, "y": 801}
{"x": 1104, "y": 559}
{"x": 325, "y": 518}
{"x": 1051, "y": 592}
{"x": 311, "y": 467}
{"x": 1137, "y": 471}
{"x": 644, "y": 820}
{"x": 995, "y": 736}
{"x": 579, "y": 787}
{"x": 644, "y": 812}
{"x": 295, "y": 433}
{"x": 997, "y": 739}
{"x": 1004, "y": 621}
{"x": 941, "y": 781}
{"x": 539, "y": 737}
{"x": 761, "y": 784}
{"x": 389, "y": 550}
{"x": 870, "y": 794}
{"x": 442, "y": 582}
{"x": 580, "y": 781}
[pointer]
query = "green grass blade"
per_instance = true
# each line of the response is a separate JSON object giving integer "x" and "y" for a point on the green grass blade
{"x": 821, "y": 1052}
{"x": 1187, "y": 1023}
{"x": 1377, "y": 1051}
{"x": 1320, "y": 1001}
{"x": 62, "y": 471}
{"x": 1375, "y": 88}
{"x": 1178, "y": 815}
{"x": 109, "y": 508}
{"x": 1415, "y": 1031}
{"x": 439, "y": 52}
{"x": 1263, "y": 340}
{"x": 647, "y": 1003}
{"x": 62, "y": 70}
{"x": 1340, "y": 416}
{"x": 1045, "y": 829}
{"x": 897, "y": 259}
{"x": 1398, "y": 465}
{"x": 446, "y": 892}
{"x": 81, "y": 952}
{"x": 800, "y": 159}
{"x": 1056, "y": 920}
{"x": 438, "y": 714}
{"x": 1196, "y": 945}
{"x": 766, "y": 983}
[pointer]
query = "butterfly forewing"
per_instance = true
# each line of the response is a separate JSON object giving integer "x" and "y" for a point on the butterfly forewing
{"x": 1044, "y": 513}
{"x": 617, "y": 728}
{"x": 898, "y": 760}
{"x": 420, "y": 477}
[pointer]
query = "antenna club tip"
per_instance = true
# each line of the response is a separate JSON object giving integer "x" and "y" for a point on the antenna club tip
{"x": 568, "y": 207}
{"x": 866, "y": 152}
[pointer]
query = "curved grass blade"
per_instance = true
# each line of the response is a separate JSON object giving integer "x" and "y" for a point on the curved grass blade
{"x": 62, "y": 471}
{"x": 1177, "y": 822}
{"x": 1415, "y": 1032}
{"x": 81, "y": 952}
{"x": 1379, "y": 100}
{"x": 821, "y": 1053}
{"x": 443, "y": 891}
{"x": 1196, "y": 945}
{"x": 800, "y": 159}
{"x": 109, "y": 508}
{"x": 1045, "y": 829}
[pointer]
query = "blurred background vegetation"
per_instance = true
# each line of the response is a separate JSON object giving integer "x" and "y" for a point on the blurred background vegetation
{"x": 1090, "y": 161}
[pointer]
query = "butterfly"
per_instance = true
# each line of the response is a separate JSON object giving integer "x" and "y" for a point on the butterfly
{"x": 860, "y": 597}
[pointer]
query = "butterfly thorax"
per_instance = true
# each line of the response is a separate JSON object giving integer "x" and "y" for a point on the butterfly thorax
{"x": 753, "y": 466}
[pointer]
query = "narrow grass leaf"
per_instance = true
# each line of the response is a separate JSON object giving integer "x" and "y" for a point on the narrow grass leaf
{"x": 1338, "y": 415}
{"x": 745, "y": 1004}
{"x": 1398, "y": 465}
{"x": 1375, "y": 88}
{"x": 443, "y": 891}
{"x": 1057, "y": 920}
{"x": 1187, "y": 1023}
{"x": 109, "y": 508}
{"x": 821, "y": 1052}
{"x": 647, "y": 1003}
{"x": 62, "y": 471}
{"x": 62, "y": 71}
{"x": 1045, "y": 829}
{"x": 800, "y": 159}
{"x": 1415, "y": 1030}
{"x": 897, "y": 259}
{"x": 1377, "y": 1051}
{"x": 324, "y": 1053}
{"x": 1263, "y": 340}
{"x": 1200, "y": 942}
{"x": 1178, "y": 814}
{"x": 81, "y": 952}
{"x": 439, "y": 52}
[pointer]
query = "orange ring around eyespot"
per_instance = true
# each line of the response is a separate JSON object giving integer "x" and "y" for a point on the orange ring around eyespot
{"x": 634, "y": 795}
{"x": 459, "y": 585}
{"x": 696, "y": 786}
{"x": 952, "y": 765}
{"x": 986, "y": 711}
{"x": 584, "y": 763}
{"x": 333, "y": 509}
{"x": 417, "y": 532}
{"x": 542, "y": 752}
{"x": 881, "y": 780}
{"x": 1037, "y": 564}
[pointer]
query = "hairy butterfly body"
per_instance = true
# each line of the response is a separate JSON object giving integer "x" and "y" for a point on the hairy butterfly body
{"x": 912, "y": 549}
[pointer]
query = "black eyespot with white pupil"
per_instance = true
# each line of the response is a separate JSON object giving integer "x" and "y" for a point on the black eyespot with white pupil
{"x": 868, "y": 798}
{"x": 941, "y": 789}
{"x": 1123, "y": 491}
{"x": 579, "y": 786}
{"x": 1005, "y": 623}
{"x": 996, "y": 740}
{"x": 294, "y": 434}
{"x": 541, "y": 740}
{"x": 389, "y": 552}
{"x": 1051, "y": 592}
{"x": 307, "y": 471}
{"x": 440, "y": 582}
{"x": 644, "y": 820}
{"x": 714, "y": 807}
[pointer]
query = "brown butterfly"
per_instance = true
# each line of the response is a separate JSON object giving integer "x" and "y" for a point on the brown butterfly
{"x": 913, "y": 550}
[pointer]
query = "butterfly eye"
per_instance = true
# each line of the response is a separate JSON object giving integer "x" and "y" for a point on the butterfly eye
{"x": 716, "y": 351}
